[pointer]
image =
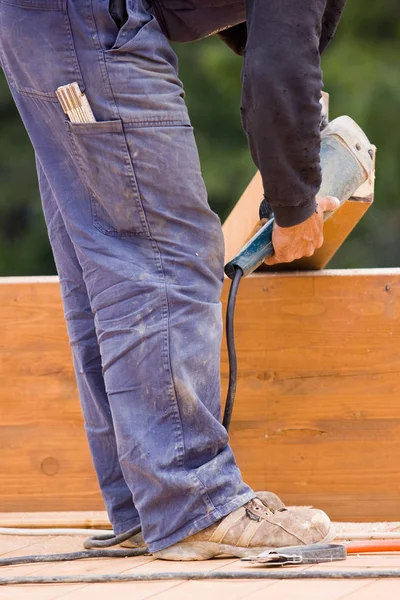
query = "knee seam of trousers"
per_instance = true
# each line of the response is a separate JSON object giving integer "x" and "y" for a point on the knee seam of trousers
{"x": 168, "y": 364}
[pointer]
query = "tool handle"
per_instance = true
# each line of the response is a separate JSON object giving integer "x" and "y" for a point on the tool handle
{"x": 254, "y": 252}
{"x": 257, "y": 249}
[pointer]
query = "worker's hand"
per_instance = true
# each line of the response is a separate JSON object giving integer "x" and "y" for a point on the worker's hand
{"x": 301, "y": 240}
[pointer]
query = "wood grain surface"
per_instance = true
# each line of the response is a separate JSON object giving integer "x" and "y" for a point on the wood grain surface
{"x": 44, "y": 460}
{"x": 317, "y": 417}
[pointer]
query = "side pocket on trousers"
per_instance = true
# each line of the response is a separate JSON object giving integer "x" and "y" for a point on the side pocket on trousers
{"x": 104, "y": 160}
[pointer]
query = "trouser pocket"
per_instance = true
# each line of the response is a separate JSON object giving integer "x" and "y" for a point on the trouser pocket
{"x": 102, "y": 155}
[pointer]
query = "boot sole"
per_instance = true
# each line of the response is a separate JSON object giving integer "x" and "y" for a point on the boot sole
{"x": 207, "y": 550}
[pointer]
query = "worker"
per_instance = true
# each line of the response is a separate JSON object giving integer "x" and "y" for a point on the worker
{"x": 140, "y": 253}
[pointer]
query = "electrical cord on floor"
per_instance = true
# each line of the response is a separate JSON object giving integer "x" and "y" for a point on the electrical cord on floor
{"x": 109, "y": 540}
{"x": 205, "y": 575}
{"x": 67, "y": 556}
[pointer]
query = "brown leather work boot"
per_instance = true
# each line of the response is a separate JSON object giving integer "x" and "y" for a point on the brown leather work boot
{"x": 271, "y": 501}
{"x": 251, "y": 529}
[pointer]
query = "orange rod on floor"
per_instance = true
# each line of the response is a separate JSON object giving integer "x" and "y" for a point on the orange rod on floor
{"x": 373, "y": 546}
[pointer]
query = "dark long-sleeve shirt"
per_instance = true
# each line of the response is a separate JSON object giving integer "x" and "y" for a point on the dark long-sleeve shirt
{"x": 282, "y": 82}
{"x": 281, "y": 42}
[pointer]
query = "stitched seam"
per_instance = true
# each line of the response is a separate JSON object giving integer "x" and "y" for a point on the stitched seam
{"x": 251, "y": 538}
{"x": 24, "y": 91}
{"x": 93, "y": 201}
{"x": 167, "y": 363}
{"x": 103, "y": 66}
{"x": 156, "y": 123}
{"x": 107, "y": 81}
{"x": 72, "y": 48}
{"x": 29, "y": 6}
{"x": 165, "y": 308}
{"x": 182, "y": 119}
{"x": 285, "y": 530}
{"x": 113, "y": 232}
{"x": 178, "y": 431}
{"x": 133, "y": 179}
{"x": 193, "y": 476}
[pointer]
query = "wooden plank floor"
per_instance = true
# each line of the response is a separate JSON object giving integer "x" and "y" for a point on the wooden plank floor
{"x": 181, "y": 590}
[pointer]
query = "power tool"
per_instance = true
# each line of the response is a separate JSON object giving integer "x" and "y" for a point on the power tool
{"x": 347, "y": 161}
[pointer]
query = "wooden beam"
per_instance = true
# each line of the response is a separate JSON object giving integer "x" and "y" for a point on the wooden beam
{"x": 242, "y": 221}
{"x": 317, "y": 417}
{"x": 46, "y": 520}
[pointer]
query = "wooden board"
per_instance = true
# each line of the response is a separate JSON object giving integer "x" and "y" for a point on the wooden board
{"x": 43, "y": 520}
{"x": 317, "y": 418}
{"x": 241, "y": 223}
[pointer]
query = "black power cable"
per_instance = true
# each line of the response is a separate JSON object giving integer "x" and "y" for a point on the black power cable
{"x": 67, "y": 556}
{"x": 230, "y": 342}
{"x": 206, "y": 575}
{"x": 109, "y": 540}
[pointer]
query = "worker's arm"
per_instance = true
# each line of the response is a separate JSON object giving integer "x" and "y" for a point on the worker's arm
{"x": 281, "y": 112}
{"x": 236, "y": 37}
{"x": 282, "y": 42}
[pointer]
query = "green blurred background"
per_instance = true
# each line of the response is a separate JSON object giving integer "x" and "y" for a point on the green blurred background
{"x": 362, "y": 75}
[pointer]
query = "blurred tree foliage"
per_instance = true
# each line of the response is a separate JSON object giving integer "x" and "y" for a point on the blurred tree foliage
{"x": 362, "y": 75}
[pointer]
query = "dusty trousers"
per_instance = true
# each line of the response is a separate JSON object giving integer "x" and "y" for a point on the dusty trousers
{"x": 139, "y": 254}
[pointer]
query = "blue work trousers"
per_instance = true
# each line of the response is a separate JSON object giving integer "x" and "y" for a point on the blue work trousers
{"x": 139, "y": 254}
